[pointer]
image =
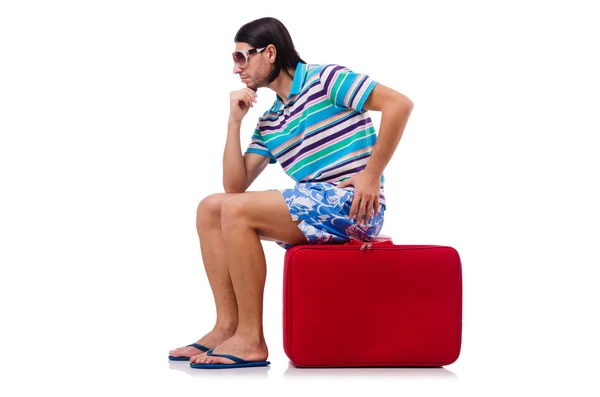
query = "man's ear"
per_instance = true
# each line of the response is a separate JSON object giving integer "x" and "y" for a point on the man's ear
{"x": 271, "y": 52}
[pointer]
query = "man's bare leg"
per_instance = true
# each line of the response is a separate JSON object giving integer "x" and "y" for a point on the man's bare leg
{"x": 244, "y": 219}
{"x": 208, "y": 225}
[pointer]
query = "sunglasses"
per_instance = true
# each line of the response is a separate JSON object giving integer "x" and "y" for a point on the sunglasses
{"x": 240, "y": 57}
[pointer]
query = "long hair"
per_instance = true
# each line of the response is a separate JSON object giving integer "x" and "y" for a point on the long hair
{"x": 264, "y": 31}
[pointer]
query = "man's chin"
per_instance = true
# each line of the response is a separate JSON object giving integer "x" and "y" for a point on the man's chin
{"x": 252, "y": 86}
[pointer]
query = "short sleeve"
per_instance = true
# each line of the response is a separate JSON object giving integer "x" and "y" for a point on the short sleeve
{"x": 257, "y": 145}
{"x": 346, "y": 88}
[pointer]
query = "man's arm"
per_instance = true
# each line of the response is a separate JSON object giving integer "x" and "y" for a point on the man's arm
{"x": 255, "y": 165}
{"x": 395, "y": 110}
{"x": 239, "y": 171}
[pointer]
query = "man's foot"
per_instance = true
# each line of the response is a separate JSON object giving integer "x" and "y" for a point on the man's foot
{"x": 246, "y": 349}
{"x": 210, "y": 340}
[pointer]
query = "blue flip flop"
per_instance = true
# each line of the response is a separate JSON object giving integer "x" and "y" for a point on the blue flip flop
{"x": 197, "y": 346}
{"x": 238, "y": 362}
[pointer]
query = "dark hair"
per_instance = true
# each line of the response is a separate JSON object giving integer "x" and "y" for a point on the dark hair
{"x": 264, "y": 31}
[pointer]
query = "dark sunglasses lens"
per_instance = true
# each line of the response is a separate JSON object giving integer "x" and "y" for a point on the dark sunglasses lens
{"x": 239, "y": 58}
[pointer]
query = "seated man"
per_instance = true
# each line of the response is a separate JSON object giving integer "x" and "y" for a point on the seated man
{"x": 320, "y": 132}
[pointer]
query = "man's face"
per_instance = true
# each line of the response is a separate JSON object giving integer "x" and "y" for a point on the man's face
{"x": 256, "y": 72}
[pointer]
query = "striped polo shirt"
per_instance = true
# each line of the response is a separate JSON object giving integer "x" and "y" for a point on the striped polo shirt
{"x": 322, "y": 133}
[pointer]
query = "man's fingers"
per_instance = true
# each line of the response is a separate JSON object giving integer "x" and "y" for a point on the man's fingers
{"x": 361, "y": 211}
{"x": 352, "y": 210}
{"x": 354, "y": 207}
{"x": 250, "y": 99}
{"x": 252, "y": 93}
{"x": 253, "y": 99}
{"x": 246, "y": 98}
{"x": 368, "y": 212}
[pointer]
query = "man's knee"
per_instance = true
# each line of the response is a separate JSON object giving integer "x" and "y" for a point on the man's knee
{"x": 234, "y": 210}
{"x": 209, "y": 208}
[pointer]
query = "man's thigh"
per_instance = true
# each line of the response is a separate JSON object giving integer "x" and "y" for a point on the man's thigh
{"x": 268, "y": 213}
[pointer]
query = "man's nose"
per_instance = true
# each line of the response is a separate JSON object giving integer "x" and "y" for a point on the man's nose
{"x": 237, "y": 69}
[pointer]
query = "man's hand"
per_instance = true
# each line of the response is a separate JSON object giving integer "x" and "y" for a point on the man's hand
{"x": 366, "y": 196}
{"x": 240, "y": 102}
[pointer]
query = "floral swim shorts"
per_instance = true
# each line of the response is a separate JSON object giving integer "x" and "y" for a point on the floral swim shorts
{"x": 323, "y": 209}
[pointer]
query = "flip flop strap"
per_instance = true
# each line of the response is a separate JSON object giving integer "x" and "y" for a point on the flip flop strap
{"x": 199, "y": 347}
{"x": 234, "y": 358}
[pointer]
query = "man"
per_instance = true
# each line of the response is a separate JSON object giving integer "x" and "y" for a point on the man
{"x": 320, "y": 132}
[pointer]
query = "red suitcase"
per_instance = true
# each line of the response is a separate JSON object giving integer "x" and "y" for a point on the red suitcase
{"x": 372, "y": 305}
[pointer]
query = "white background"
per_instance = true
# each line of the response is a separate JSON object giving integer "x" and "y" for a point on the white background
{"x": 113, "y": 121}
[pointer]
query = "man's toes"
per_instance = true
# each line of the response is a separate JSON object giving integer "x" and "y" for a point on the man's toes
{"x": 197, "y": 356}
{"x": 197, "y": 359}
{"x": 217, "y": 360}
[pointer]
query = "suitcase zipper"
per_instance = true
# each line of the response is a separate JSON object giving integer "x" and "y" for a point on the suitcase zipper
{"x": 368, "y": 245}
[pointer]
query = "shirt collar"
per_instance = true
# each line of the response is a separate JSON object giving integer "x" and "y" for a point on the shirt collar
{"x": 297, "y": 84}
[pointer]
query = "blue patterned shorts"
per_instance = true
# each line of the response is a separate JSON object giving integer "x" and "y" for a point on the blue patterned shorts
{"x": 323, "y": 209}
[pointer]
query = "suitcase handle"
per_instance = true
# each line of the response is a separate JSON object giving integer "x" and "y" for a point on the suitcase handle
{"x": 379, "y": 240}
{"x": 385, "y": 241}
